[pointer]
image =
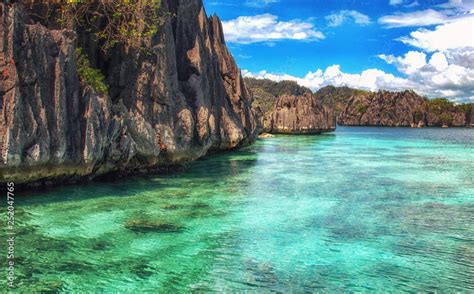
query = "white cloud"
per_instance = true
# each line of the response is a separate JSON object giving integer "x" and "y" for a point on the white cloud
{"x": 440, "y": 77}
{"x": 408, "y": 64}
{"x": 460, "y": 5}
{"x": 413, "y": 4}
{"x": 412, "y": 19}
{"x": 260, "y": 3}
{"x": 458, "y": 33}
{"x": 439, "y": 61}
{"x": 337, "y": 19}
{"x": 408, "y": 5}
{"x": 371, "y": 79}
{"x": 461, "y": 56}
{"x": 267, "y": 28}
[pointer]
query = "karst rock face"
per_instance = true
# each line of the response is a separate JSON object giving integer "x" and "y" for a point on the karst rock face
{"x": 397, "y": 109}
{"x": 303, "y": 114}
{"x": 287, "y": 108}
{"x": 181, "y": 101}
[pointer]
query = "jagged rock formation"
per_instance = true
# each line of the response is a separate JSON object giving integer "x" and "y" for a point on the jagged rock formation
{"x": 286, "y": 108}
{"x": 301, "y": 115}
{"x": 337, "y": 97}
{"x": 402, "y": 109}
{"x": 179, "y": 101}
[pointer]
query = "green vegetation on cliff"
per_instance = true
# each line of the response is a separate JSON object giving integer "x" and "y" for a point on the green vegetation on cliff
{"x": 431, "y": 112}
{"x": 91, "y": 76}
{"x": 112, "y": 22}
{"x": 265, "y": 92}
{"x": 338, "y": 96}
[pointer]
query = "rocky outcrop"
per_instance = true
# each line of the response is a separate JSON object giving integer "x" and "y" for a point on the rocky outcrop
{"x": 300, "y": 115}
{"x": 182, "y": 99}
{"x": 287, "y": 108}
{"x": 401, "y": 109}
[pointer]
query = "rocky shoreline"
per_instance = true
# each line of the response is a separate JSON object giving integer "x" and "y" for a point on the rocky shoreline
{"x": 178, "y": 100}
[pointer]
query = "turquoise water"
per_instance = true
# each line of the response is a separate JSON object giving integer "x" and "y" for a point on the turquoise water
{"x": 359, "y": 210}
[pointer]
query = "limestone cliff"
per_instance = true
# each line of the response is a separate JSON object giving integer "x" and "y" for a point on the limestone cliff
{"x": 301, "y": 115}
{"x": 402, "y": 109}
{"x": 287, "y": 108}
{"x": 183, "y": 98}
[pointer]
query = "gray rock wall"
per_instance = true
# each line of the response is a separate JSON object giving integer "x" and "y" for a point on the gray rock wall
{"x": 178, "y": 103}
{"x": 302, "y": 114}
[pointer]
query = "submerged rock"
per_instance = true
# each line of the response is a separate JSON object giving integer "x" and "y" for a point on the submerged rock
{"x": 146, "y": 225}
{"x": 265, "y": 136}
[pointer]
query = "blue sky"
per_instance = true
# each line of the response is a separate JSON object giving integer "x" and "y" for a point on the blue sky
{"x": 391, "y": 44}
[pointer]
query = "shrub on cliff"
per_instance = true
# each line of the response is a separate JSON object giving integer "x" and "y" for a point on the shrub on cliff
{"x": 361, "y": 108}
{"x": 110, "y": 21}
{"x": 446, "y": 119}
{"x": 91, "y": 76}
{"x": 277, "y": 88}
{"x": 439, "y": 106}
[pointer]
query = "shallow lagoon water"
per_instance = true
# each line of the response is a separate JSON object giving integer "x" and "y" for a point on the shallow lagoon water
{"x": 358, "y": 210}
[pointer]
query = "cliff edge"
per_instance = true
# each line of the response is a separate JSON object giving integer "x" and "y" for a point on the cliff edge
{"x": 402, "y": 109}
{"x": 176, "y": 101}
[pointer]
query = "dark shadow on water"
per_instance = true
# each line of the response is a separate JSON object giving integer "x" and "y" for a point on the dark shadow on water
{"x": 212, "y": 168}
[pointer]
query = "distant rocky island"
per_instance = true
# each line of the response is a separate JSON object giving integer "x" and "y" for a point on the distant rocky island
{"x": 354, "y": 107}
{"x": 287, "y": 108}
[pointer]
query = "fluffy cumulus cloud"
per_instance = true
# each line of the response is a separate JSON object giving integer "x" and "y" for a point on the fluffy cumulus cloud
{"x": 449, "y": 74}
{"x": 458, "y": 33}
{"x": 439, "y": 62}
{"x": 371, "y": 79}
{"x": 446, "y": 73}
{"x": 443, "y": 62}
{"x": 267, "y": 28}
{"x": 408, "y": 64}
{"x": 343, "y": 16}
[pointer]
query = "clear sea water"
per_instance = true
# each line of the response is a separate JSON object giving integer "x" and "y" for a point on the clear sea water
{"x": 361, "y": 209}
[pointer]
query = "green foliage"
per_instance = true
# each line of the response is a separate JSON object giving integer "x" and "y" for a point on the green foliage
{"x": 93, "y": 77}
{"x": 277, "y": 88}
{"x": 116, "y": 21}
{"x": 466, "y": 108}
{"x": 446, "y": 118}
{"x": 361, "y": 108}
{"x": 418, "y": 115}
{"x": 440, "y": 105}
{"x": 112, "y": 22}
{"x": 266, "y": 92}
{"x": 338, "y": 96}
